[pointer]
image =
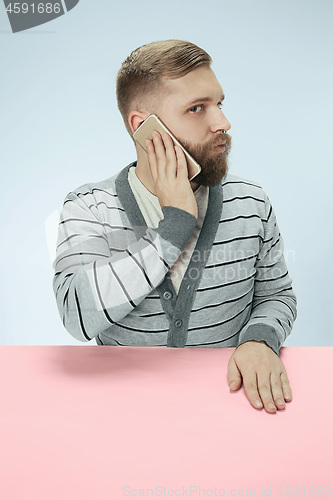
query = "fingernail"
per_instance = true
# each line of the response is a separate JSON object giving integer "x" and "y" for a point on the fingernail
{"x": 232, "y": 383}
{"x": 258, "y": 403}
{"x": 271, "y": 405}
{"x": 280, "y": 402}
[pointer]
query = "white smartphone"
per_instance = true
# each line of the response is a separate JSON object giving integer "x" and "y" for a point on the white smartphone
{"x": 152, "y": 123}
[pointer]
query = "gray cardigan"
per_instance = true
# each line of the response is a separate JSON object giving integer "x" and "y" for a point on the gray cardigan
{"x": 112, "y": 279}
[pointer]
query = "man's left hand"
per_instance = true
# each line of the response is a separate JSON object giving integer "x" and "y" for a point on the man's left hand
{"x": 264, "y": 376}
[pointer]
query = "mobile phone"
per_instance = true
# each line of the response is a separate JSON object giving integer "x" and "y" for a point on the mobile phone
{"x": 152, "y": 123}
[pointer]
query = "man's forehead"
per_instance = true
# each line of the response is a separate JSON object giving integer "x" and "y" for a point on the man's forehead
{"x": 199, "y": 84}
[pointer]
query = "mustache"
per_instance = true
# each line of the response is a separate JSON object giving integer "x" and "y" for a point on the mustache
{"x": 224, "y": 139}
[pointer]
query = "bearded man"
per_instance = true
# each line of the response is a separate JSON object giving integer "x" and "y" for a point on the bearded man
{"x": 150, "y": 258}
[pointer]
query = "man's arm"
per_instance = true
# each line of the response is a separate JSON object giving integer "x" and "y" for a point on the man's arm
{"x": 97, "y": 283}
{"x": 256, "y": 359}
{"x": 274, "y": 302}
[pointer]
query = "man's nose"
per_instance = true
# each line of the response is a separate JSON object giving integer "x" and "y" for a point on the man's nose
{"x": 219, "y": 121}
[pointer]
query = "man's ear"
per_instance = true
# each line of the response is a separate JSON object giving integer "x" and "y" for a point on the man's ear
{"x": 135, "y": 118}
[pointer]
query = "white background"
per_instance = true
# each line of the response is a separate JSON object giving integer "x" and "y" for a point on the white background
{"x": 60, "y": 128}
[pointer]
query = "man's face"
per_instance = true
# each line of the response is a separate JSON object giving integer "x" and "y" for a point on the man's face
{"x": 191, "y": 109}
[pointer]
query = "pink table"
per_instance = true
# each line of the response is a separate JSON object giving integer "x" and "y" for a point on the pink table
{"x": 107, "y": 423}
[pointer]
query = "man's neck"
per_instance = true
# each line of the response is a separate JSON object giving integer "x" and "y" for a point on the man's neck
{"x": 142, "y": 172}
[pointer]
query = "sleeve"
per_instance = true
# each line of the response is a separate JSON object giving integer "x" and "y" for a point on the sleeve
{"x": 274, "y": 302}
{"x": 97, "y": 283}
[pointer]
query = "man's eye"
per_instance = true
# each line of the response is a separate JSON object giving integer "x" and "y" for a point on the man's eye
{"x": 197, "y": 108}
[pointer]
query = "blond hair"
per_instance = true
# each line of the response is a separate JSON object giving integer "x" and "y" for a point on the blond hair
{"x": 140, "y": 76}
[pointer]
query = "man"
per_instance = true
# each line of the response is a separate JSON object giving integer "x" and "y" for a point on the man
{"x": 149, "y": 258}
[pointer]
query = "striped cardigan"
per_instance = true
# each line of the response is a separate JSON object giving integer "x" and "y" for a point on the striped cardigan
{"x": 112, "y": 273}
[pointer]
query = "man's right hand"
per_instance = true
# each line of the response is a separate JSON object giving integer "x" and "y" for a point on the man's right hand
{"x": 168, "y": 170}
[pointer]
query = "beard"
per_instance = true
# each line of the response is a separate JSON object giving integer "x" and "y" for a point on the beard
{"x": 213, "y": 168}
